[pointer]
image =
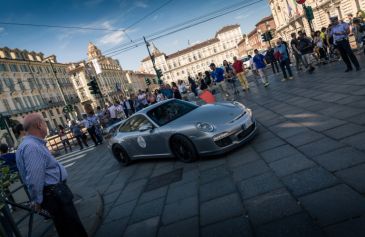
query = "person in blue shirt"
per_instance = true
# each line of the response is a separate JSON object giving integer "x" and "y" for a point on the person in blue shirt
{"x": 340, "y": 33}
{"x": 283, "y": 57}
{"x": 7, "y": 158}
{"x": 259, "y": 61}
{"x": 218, "y": 78}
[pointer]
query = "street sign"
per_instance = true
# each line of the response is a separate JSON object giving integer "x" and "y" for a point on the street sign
{"x": 96, "y": 66}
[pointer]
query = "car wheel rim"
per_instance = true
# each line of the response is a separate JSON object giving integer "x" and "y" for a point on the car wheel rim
{"x": 182, "y": 151}
{"x": 121, "y": 155}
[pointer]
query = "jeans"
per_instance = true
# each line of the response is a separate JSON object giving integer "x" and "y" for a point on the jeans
{"x": 285, "y": 65}
{"x": 346, "y": 54}
{"x": 81, "y": 139}
{"x": 274, "y": 65}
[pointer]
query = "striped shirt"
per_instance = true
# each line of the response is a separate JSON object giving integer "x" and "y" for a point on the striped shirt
{"x": 37, "y": 167}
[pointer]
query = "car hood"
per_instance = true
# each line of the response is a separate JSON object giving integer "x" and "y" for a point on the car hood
{"x": 218, "y": 113}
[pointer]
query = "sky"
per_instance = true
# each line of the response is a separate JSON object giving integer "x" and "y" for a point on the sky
{"x": 70, "y": 45}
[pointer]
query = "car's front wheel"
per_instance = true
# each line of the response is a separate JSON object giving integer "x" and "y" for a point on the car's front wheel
{"x": 183, "y": 149}
{"x": 121, "y": 155}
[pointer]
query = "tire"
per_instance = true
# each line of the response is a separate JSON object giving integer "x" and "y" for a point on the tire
{"x": 121, "y": 155}
{"x": 183, "y": 149}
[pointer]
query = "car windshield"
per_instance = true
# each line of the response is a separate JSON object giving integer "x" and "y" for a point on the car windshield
{"x": 170, "y": 111}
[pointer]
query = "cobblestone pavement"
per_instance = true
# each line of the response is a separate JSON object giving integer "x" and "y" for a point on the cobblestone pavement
{"x": 303, "y": 175}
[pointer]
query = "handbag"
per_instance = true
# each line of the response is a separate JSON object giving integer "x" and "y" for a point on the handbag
{"x": 61, "y": 191}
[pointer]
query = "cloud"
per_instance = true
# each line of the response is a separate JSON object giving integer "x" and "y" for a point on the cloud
{"x": 141, "y": 4}
{"x": 239, "y": 17}
{"x": 112, "y": 38}
{"x": 91, "y": 3}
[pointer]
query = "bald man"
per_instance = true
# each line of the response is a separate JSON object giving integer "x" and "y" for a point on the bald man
{"x": 45, "y": 178}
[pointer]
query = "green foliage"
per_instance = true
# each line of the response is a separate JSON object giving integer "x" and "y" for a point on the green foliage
{"x": 6, "y": 179}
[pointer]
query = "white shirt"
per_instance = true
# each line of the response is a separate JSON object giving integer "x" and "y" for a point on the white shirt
{"x": 127, "y": 105}
{"x": 112, "y": 111}
{"x": 182, "y": 88}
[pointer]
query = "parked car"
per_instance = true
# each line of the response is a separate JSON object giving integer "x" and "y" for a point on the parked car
{"x": 176, "y": 128}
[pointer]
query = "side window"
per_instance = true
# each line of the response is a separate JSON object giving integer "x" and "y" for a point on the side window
{"x": 133, "y": 124}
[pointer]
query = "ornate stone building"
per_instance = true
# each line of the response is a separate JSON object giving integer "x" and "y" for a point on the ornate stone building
{"x": 30, "y": 82}
{"x": 196, "y": 58}
{"x": 137, "y": 81}
{"x": 112, "y": 81}
{"x": 289, "y": 17}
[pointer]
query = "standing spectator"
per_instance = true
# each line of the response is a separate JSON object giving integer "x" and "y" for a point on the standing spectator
{"x": 294, "y": 43}
{"x": 239, "y": 69}
{"x": 90, "y": 122}
{"x": 142, "y": 100}
{"x": 128, "y": 107}
{"x": 45, "y": 179}
{"x": 260, "y": 65}
{"x": 193, "y": 86}
{"x": 182, "y": 89}
{"x": 305, "y": 46}
{"x": 208, "y": 78}
{"x": 176, "y": 91}
{"x": 7, "y": 158}
{"x": 64, "y": 138}
{"x": 151, "y": 98}
{"x": 168, "y": 91}
{"x": 318, "y": 42}
{"x": 102, "y": 115}
{"x": 218, "y": 78}
{"x": 113, "y": 113}
{"x": 283, "y": 57}
{"x": 159, "y": 96}
{"x": 340, "y": 33}
{"x": 270, "y": 58}
{"x": 78, "y": 134}
{"x": 19, "y": 132}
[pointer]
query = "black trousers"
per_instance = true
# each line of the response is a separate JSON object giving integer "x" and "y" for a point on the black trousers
{"x": 274, "y": 65}
{"x": 285, "y": 65}
{"x": 94, "y": 136}
{"x": 64, "y": 215}
{"x": 81, "y": 139}
{"x": 346, "y": 54}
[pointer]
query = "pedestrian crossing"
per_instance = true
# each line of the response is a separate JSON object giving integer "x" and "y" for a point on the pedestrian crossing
{"x": 70, "y": 159}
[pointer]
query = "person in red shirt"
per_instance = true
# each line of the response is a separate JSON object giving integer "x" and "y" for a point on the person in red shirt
{"x": 239, "y": 69}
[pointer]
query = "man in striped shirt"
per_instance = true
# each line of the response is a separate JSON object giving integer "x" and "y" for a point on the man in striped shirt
{"x": 41, "y": 173}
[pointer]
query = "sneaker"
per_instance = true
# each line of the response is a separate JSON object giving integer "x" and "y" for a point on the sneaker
{"x": 284, "y": 79}
{"x": 291, "y": 78}
{"x": 266, "y": 84}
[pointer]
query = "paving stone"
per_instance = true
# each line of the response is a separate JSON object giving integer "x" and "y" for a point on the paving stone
{"x": 304, "y": 138}
{"x": 291, "y": 165}
{"x": 355, "y": 177}
{"x": 351, "y": 228}
{"x": 219, "y": 172}
{"x": 259, "y": 184}
{"x": 356, "y": 141}
{"x": 319, "y": 147}
{"x": 249, "y": 170}
{"x": 345, "y": 130}
{"x": 334, "y": 204}
{"x": 235, "y": 227}
{"x": 271, "y": 206}
{"x": 147, "y": 210}
{"x": 120, "y": 211}
{"x": 358, "y": 119}
{"x": 152, "y": 195}
{"x": 291, "y": 131}
{"x": 237, "y": 158}
{"x": 298, "y": 225}
{"x": 216, "y": 189}
{"x": 130, "y": 195}
{"x": 185, "y": 228}
{"x": 340, "y": 159}
{"x": 220, "y": 209}
{"x": 110, "y": 198}
{"x": 267, "y": 144}
{"x": 112, "y": 228}
{"x": 310, "y": 180}
{"x": 181, "y": 192}
{"x": 188, "y": 177}
{"x": 209, "y": 163}
{"x": 279, "y": 153}
{"x": 146, "y": 228}
{"x": 326, "y": 124}
{"x": 180, "y": 210}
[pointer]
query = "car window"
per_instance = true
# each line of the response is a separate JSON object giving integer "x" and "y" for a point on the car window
{"x": 134, "y": 123}
{"x": 170, "y": 111}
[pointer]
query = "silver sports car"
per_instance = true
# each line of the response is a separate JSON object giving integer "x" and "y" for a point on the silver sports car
{"x": 182, "y": 129}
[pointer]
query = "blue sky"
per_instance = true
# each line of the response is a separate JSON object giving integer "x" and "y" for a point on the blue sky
{"x": 71, "y": 45}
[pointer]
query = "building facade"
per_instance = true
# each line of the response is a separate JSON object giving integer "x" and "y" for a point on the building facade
{"x": 195, "y": 59}
{"x": 112, "y": 81}
{"x": 30, "y": 82}
{"x": 136, "y": 81}
{"x": 289, "y": 17}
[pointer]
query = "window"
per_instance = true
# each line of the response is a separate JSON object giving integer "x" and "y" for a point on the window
{"x": 21, "y": 84}
{"x": 51, "y": 112}
{"x": 10, "y": 83}
{"x": 45, "y": 82}
{"x": 40, "y": 69}
{"x": 14, "y": 68}
{"x": 25, "y": 102}
{"x": 24, "y": 68}
{"x": 44, "y": 114}
{"x": 3, "y": 68}
{"x": 18, "y": 103}
{"x": 133, "y": 124}
{"x": 31, "y": 83}
{"x": 30, "y": 101}
{"x": 6, "y": 105}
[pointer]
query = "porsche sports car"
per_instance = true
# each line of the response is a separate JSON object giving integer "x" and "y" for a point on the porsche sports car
{"x": 182, "y": 129}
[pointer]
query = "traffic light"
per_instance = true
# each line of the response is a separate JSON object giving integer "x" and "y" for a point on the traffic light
{"x": 263, "y": 37}
{"x": 154, "y": 81}
{"x": 159, "y": 73}
{"x": 269, "y": 36}
{"x": 148, "y": 81}
{"x": 160, "y": 82}
{"x": 309, "y": 13}
{"x": 67, "y": 108}
{"x": 94, "y": 87}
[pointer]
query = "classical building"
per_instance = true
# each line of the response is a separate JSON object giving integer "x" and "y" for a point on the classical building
{"x": 289, "y": 17}
{"x": 30, "y": 82}
{"x": 136, "y": 81}
{"x": 111, "y": 81}
{"x": 253, "y": 39}
{"x": 196, "y": 58}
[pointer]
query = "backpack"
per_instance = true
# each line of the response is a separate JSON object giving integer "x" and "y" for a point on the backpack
{"x": 278, "y": 56}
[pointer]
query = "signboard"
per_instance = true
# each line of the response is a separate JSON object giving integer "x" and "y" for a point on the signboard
{"x": 96, "y": 66}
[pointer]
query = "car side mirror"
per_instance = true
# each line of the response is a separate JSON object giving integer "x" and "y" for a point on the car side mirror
{"x": 146, "y": 127}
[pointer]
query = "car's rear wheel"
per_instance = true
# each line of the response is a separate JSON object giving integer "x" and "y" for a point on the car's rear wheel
{"x": 121, "y": 155}
{"x": 183, "y": 149}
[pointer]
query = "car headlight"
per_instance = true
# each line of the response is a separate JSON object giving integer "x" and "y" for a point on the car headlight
{"x": 205, "y": 127}
{"x": 238, "y": 104}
